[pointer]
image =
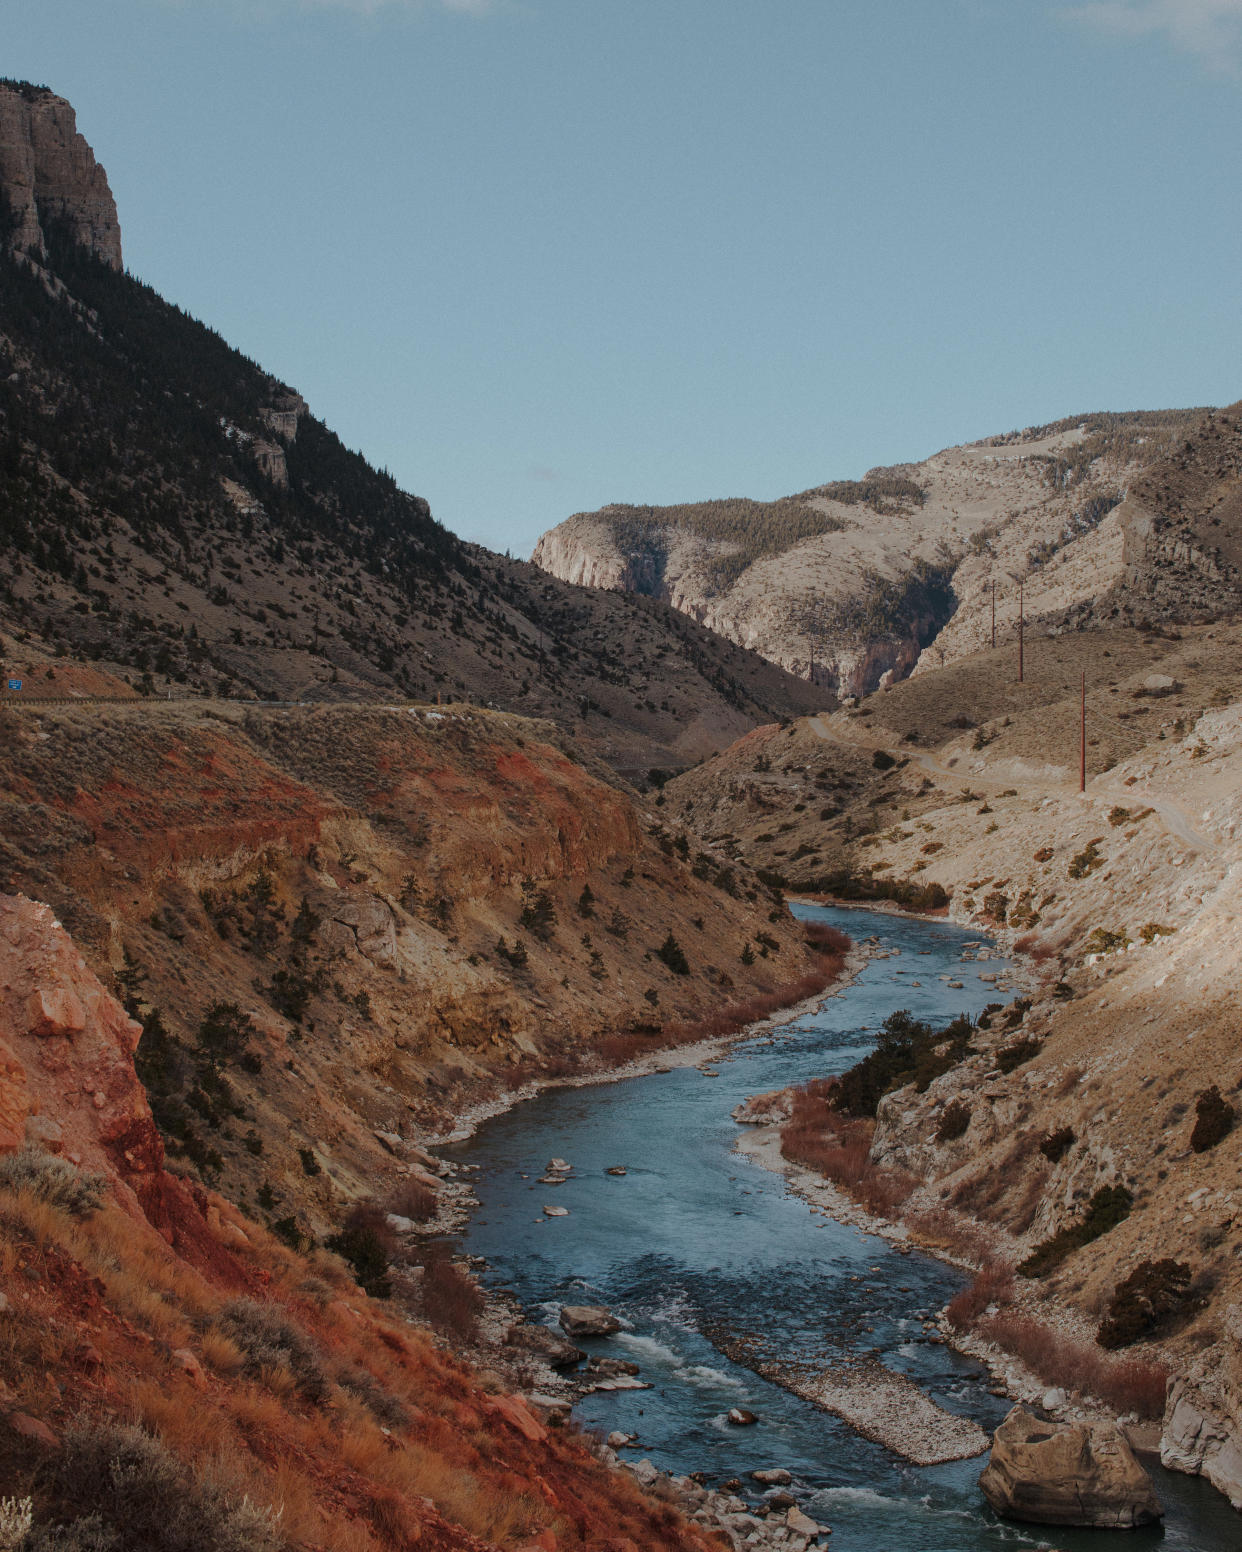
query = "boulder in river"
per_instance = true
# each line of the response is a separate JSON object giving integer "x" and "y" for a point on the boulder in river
{"x": 610, "y": 1368}
{"x": 616, "y": 1169}
{"x": 1067, "y": 1474}
{"x": 556, "y": 1350}
{"x": 588, "y": 1320}
{"x": 741, "y": 1417}
{"x": 556, "y": 1212}
{"x": 559, "y": 1167}
{"x": 776, "y": 1477}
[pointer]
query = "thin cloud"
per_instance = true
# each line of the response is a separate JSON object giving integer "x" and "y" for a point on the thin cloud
{"x": 376, "y": 7}
{"x": 1208, "y": 29}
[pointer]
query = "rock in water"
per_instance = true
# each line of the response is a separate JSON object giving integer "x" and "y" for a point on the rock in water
{"x": 556, "y": 1350}
{"x": 588, "y": 1320}
{"x": 1067, "y": 1474}
{"x": 741, "y": 1418}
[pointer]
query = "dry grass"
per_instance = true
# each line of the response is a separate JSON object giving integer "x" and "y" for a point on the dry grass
{"x": 1126, "y": 1385}
{"x": 839, "y": 1147}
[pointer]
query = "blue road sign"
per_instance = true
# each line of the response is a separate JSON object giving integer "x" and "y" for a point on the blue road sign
{"x": 15, "y": 684}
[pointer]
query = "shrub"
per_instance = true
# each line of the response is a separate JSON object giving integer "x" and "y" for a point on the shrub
{"x": 1107, "y": 1208}
{"x": 1150, "y": 931}
{"x": 270, "y": 1339}
{"x": 993, "y": 1284}
{"x": 1018, "y": 1051}
{"x": 1104, "y": 940}
{"x": 673, "y": 955}
{"x": 1057, "y": 1144}
{"x": 451, "y": 1299}
{"x": 881, "y": 761}
{"x": 310, "y": 1164}
{"x": 139, "y": 1487}
{"x": 88, "y": 1534}
{"x": 954, "y": 1121}
{"x": 907, "y": 1051}
{"x": 16, "y": 1517}
{"x": 411, "y": 1199}
{"x": 1141, "y": 1302}
{"x": 539, "y": 916}
{"x": 366, "y": 1242}
{"x": 1214, "y": 1118}
{"x": 1126, "y": 1386}
{"x": 225, "y": 1032}
{"x": 53, "y": 1180}
{"x": 1087, "y": 860}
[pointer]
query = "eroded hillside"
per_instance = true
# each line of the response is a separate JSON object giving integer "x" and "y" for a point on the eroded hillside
{"x": 173, "y": 1377}
{"x": 407, "y": 910}
{"x": 850, "y": 584}
{"x": 961, "y": 785}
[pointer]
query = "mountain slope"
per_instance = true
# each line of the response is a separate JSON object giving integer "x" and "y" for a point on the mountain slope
{"x": 847, "y": 584}
{"x": 177, "y": 516}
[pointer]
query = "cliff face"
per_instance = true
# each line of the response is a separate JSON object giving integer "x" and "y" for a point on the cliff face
{"x": 277, "y": 1405}
{"x": 848, "y": 584}
{"x": 49, "y": 173}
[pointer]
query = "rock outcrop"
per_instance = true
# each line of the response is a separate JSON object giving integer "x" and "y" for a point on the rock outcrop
{"x": 1067, "y": 1474}
{"x": 856, "y": 584}
{"x": 1202, "y": 1416}
{"x": 49, "y": 173}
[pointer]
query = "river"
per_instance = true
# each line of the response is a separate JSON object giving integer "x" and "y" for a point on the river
{"x": 696, "y": 1248}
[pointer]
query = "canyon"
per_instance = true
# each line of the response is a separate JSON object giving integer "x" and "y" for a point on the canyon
{"x": 324, "y": 834}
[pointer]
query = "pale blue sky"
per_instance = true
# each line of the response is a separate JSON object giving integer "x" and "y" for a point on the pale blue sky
{"x": 537, "y": 255}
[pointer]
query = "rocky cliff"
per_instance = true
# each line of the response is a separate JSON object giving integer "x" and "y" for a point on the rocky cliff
{"x": 410, "y": 910}
{"x": 48, "y": 173}
{"x": 851, "y": 584}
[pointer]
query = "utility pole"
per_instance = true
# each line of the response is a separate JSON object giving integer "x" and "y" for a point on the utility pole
{"x": 993, "y": 614}
{"x": 1082, "y": 736}
{"x": 1021, "y": 630}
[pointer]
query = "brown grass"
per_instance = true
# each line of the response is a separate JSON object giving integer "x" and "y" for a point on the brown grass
{"x": 839, "y": 1147}
{"x": 1125, "y": 1385}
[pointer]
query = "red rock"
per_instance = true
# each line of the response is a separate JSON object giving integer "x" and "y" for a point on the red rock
{"x": 54, "y": 1010}
{"x": 31, "y": 1428}
{"x": 518, "y": 1415}
{"x": 189, "y": 1365}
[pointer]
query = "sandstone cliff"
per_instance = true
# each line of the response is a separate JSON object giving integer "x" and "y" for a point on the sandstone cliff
{"x": 49, "y": 173}
{"x": 849, "y": 583}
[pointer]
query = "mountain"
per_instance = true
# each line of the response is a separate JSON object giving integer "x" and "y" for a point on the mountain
{"x": 852, "y": 584}
{"x": 178, "y": 518}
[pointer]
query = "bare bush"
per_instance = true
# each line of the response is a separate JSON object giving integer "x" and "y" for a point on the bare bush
{"x": 135, "y": 1485}
{"x": 53, "y": 1180}
{"x": 270, "y": 1339}
{"x": 1127, "y": 1385}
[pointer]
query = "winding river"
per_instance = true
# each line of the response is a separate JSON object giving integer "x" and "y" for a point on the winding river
{"x": 698, "y": 1250}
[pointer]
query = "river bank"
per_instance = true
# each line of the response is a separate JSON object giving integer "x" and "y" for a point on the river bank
{"x": 696, "y": 1250}
{"x": 659, "y": 1059}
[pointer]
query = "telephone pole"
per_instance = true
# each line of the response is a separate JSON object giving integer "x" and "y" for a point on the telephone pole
{"x": 993, "y": 614}
{"x": 1082, "y": 736}
{"x": 1021, "y": 631}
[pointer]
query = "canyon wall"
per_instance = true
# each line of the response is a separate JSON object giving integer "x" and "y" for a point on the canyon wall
{"x": 49, "y": 173}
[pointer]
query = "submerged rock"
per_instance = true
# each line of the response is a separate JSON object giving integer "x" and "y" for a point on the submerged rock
{"x": 1067, "y": 1474}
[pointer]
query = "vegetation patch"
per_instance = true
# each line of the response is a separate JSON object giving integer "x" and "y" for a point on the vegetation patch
{"x": 1144, "y": 1301}
{"x": 1214, "y": 1119}
{"x": 907, "y": 1051}
{"x": 1107, "y": 1208}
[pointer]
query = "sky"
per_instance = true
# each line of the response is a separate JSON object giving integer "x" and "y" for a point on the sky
{"x": 535, "y": 256}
